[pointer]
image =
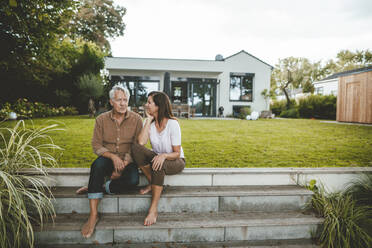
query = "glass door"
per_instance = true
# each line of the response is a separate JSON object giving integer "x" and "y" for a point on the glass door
{"x": 203, "y": 100}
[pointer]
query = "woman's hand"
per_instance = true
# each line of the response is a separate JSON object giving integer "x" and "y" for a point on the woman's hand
{"x": 148, "y": 115}
{"x": 158, "y": 161}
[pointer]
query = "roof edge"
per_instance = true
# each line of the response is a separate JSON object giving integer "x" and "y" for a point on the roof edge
{"x": 242, "y": 51}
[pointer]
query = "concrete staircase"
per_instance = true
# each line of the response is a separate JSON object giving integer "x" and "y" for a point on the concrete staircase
{"x": 189, "y": 216}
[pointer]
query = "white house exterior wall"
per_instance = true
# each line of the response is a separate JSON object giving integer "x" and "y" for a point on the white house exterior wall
{"x": 220, "y": 70}
{"x": 241, "y": 63}
{"x": 329, "y": 86}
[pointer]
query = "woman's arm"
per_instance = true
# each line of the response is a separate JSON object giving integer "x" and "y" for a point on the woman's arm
{"x": 143, "y": 137}
{"x": 157, "y": 161}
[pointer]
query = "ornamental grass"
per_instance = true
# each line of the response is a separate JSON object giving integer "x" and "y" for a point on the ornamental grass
{"x": 25, "y": 199}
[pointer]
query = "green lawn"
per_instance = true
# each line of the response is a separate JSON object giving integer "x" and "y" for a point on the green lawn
{"x": 240, "y": 143}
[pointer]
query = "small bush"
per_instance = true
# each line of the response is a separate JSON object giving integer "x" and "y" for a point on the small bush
{"x": 244, "y": 111}
{"x": 317, "y": 106}
{"x": 277, "y": 107}
{"x": 290, "y": 113}
{"x": 25, "y": 109}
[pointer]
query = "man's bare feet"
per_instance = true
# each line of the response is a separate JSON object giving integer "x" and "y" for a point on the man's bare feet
{"x": 82, "y": 190}
{"x": 145, "y": 190}
{"x": 88, "y": 228}
{"x": 151, "y": 218}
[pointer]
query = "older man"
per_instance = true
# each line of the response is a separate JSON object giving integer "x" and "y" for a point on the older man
{"x": 114, "y": 133}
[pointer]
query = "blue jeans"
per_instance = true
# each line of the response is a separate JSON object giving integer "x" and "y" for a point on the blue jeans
{"x": 103, "y": 167}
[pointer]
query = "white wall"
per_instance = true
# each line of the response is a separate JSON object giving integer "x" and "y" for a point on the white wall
{"x": 329, "y": 86}
{"x": 244, "y": 63}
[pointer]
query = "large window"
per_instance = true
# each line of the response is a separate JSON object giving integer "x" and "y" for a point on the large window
{"x": 241, "y": 87}
{"x": 139, "y": 88}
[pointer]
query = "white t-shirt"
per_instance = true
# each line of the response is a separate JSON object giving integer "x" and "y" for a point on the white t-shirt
{"x": 171, "y": 136}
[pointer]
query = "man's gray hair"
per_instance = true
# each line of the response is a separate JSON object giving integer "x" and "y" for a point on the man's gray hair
{"x": 121, "y": 88}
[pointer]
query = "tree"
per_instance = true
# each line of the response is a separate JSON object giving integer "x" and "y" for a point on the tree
{"x": 28, "y": 31}
{"x": 293, "y": 73}
{"x": 348, "y": 60}
{"x": 98, "y": 20}
{"x": 90, "y": 87}
{"x": 79, "y": 58}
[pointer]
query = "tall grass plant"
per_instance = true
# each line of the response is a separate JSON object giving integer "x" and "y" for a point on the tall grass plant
{"x": 346, "y": 222}
{"x": 25, "y": 199}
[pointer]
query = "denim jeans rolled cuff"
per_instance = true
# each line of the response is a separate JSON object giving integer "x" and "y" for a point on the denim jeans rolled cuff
{"x": 98, "y": 195}
{"x": 107, "y": 187}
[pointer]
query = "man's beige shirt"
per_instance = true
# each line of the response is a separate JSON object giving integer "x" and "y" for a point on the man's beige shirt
{"x": 109, "y": 136}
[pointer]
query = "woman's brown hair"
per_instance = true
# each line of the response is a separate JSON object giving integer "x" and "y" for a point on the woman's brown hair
{"x": 161, "y": 100}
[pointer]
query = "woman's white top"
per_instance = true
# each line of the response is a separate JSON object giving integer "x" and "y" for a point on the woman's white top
{"x": 171, "y": 136}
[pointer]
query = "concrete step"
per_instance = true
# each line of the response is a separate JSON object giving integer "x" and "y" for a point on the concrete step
{"x": 333, "y": 178}
{"x": 292, "y": 243}
{"x": 182, "y": 227}
{"x": 191, "y": 199}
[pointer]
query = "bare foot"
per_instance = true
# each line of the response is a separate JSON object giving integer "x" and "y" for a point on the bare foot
{"x": 82, "y": 190}
{"x": 151, "y": 218}
{"x": 88, "y": 228}
{"x": 145, "y": 190}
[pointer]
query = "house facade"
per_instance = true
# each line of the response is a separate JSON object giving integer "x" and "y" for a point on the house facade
{"x": 204, "y": 85}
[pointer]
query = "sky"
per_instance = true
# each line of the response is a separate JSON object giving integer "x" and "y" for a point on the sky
{"x": 267, "y": 29}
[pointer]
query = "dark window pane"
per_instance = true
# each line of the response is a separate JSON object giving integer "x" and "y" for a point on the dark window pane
{"x": 247, "y": 88}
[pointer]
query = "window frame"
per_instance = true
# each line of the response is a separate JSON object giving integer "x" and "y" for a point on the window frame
{"x": 241, "y": 75}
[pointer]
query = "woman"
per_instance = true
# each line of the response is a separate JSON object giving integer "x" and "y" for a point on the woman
{"x": 166, "y": 157}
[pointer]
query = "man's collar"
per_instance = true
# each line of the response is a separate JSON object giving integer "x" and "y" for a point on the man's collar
{"x": 126, "y": 115}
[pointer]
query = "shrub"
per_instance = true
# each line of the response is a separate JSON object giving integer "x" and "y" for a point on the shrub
{"x": 317, "y": 106}
{"x": 279, "y": 106}
{"x": 290, "y": 113}
{"x": 25, "y": 109}
{"x": 25, "y": 200}
{"x": 244, "y": 111}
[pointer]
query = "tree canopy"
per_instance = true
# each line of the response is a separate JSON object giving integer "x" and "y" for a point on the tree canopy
{"x": 47, "y": 46}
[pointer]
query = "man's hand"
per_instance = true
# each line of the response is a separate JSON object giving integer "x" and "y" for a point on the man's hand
{"x": 119, "y": 164}
{"x": 117, "y": 174}
{"x": 157, "y": 161}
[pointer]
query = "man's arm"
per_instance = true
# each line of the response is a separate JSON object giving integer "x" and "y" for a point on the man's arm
{"x": 97, "y": 140}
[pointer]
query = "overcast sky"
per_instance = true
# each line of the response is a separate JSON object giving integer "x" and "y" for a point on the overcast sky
{"x": 267, "y": 29}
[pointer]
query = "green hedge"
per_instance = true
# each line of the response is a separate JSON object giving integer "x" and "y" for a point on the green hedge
{"x": 290, "y": 113}
{"x": 25, "y": 110}
{"x": 277, "y": 107}
{"x": 317, "y": 106}
{"x": 313, "y": 106}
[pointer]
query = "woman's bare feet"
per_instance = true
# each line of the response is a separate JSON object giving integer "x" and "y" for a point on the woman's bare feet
{"x": 145, "y": 190}
{"x": 88, "y": 228}
{"x": 151, "y": 218}
{"x": 82, "y": 190}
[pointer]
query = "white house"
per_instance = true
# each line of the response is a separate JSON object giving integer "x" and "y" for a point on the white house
{"x": 204, "y": 85}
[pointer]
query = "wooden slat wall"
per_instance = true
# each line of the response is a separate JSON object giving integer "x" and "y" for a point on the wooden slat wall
{"x": 354, "y": 100}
